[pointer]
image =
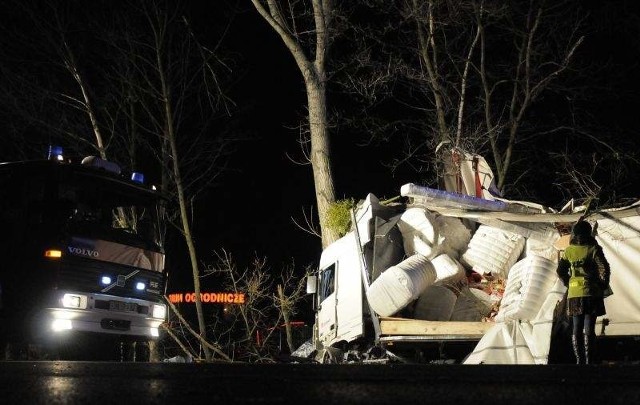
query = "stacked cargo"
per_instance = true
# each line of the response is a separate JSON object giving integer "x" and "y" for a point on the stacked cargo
{"x": 452, "y": 274}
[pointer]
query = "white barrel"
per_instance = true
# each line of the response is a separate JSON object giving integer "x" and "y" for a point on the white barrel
{"x": 397, "y": 286}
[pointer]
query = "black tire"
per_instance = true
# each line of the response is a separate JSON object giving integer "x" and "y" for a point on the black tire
{"x": 142, "y": 352}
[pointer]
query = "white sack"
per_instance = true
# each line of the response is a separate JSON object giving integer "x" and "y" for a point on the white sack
{"x": 447, "y": 269}
{"x": 543, "y": 322}
{"x": 537, "y": 248}
{"x": 520, "y": 342}
{"x": 540, "y": 232}
{"x": 397, "y": 286}
{"x": 528, "y": 285}
{"x": 471, "y": 169}
{"x": 419, "y": 233}
{"x": 504, "y": 343}
{"x": 492, "y": 250}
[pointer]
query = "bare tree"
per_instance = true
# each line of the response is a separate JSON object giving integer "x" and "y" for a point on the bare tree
{"x": 53, "y": 79}
{"x": 177, "y": 85}
{"x": 249, "y": 331}
{"x": 304, "y": 27}
{"x": 252, "y": 329}
{"x": 499, "y": 79}
{"x": 507, "y": 89}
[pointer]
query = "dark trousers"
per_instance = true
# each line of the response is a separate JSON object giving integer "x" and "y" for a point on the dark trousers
{"x": 583, "y": 338}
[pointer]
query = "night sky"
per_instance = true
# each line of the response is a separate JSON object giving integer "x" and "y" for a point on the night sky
{"x": 274, "y": 88}
{"x": 251, "y": 213}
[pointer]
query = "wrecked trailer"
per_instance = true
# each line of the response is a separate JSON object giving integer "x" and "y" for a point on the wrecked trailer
{"x": 454, "y": 278}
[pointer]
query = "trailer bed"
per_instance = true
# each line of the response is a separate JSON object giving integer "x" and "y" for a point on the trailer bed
{"x": 415, "y": 329}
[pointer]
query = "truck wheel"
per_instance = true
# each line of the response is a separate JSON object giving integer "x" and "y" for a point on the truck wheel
{"x": 154, "y": 351}
{"x": 329, "y": 355}
{"x": 142, "y": 352}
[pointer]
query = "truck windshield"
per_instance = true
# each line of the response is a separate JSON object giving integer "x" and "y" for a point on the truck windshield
{"x": 108, "y": 209}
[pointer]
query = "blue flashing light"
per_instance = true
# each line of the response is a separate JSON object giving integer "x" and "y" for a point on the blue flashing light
{"x": 55, "y": 152}
{"x": 140, "y": 286}
{"x": 137, "y": 177}
{"x": 105, "y": 280}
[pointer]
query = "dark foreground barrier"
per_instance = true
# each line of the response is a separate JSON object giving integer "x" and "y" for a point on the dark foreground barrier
{"x": 169, "y": 383}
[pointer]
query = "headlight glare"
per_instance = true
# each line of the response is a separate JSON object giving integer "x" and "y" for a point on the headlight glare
{"x": 61, "y": 324}
{"x": 77, "y": 301}
{"x": 159, "y": 311}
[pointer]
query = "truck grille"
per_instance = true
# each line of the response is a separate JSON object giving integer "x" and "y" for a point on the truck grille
{"x": 86, "y": 275}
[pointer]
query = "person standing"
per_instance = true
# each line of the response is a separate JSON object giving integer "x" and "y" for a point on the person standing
{"x": 585, "y": 272}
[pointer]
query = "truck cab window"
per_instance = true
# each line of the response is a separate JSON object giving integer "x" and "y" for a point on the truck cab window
{"x": 96, "y": 206}
{"x": 327, "y": 281}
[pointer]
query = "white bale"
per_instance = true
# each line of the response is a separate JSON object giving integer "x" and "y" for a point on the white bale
{"x": 397, "y": 286}
{"x": 511, "y": 294}
{"x": 447, "y": 269}
{"x": 436, "y": 303}
{"x": 530, "y": 281}
{"x": 493, "y": 250}
{"x": 419, "y": 234}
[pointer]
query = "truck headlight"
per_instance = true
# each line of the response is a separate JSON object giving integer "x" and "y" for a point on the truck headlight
{"x": 77, "y": 301}
{"x": 159, "y": 311}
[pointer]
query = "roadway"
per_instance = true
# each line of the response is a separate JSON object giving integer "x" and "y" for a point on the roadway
{"x": 59, "y": 382}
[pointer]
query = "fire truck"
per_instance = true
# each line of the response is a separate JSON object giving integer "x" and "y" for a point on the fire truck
{"x": 82, "y": 257}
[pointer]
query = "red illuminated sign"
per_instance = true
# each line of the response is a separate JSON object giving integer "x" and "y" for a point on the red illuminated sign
{"x": 208, "y": 298}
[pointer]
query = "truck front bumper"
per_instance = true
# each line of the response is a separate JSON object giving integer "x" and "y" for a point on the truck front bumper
{"x": 103, "y": 313}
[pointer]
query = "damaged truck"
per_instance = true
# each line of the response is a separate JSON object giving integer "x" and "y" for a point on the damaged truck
{"x": 461, "y": 276}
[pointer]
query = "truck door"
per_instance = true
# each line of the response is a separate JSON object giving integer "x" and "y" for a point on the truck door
{"x": 327, "y": 322}
{"x": 340, "y": 312}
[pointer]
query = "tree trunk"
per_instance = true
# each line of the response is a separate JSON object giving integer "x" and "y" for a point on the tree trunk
{"x": 177, "y": 179}
{"x": 320, "y": 155}
{"x": 285, "y": 316}
{"x": 188, "y": 237}
{"x": 313, "y": 72}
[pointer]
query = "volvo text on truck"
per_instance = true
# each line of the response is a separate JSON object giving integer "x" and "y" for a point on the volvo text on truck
{"x": 81, "y": 253}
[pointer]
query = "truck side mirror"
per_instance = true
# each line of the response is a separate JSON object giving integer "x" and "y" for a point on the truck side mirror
{"x": 312, "y": 284}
